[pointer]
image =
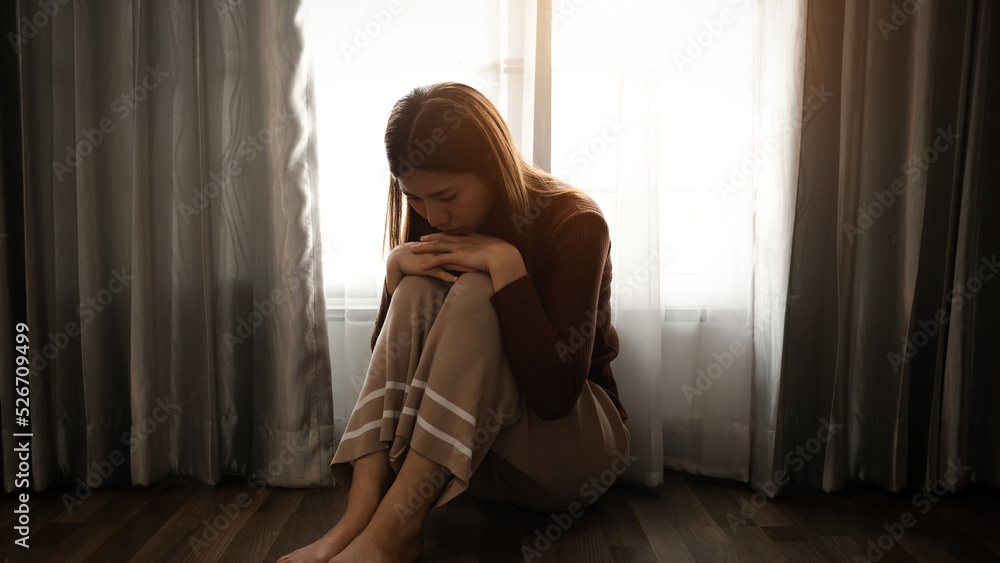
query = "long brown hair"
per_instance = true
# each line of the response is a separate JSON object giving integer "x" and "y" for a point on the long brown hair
{"x": 452, "y": 127}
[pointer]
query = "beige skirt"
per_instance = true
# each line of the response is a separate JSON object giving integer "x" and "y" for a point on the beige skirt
{"x": 439, "y": 382}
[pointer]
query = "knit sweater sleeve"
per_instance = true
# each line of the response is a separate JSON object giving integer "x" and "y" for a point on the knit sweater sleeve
{"x": 549, "y": 338}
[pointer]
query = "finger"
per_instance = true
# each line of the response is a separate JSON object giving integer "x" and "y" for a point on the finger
{"x": 460, "y": 268}
{"x": 444, "y": 275}
{"x": 435, "y": 236}
{"x": 444, "y": 263}
{"x": 431, "y": 246}
{"x": 429, "y": 264}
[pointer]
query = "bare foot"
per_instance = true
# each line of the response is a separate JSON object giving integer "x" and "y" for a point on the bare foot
{"x": 323, "y": 549}
{"x": 320, "y": 551}
{"x": 369, "y": 549}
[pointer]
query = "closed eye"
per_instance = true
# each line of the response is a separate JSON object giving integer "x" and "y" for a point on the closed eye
{"x": 445, "y": 199}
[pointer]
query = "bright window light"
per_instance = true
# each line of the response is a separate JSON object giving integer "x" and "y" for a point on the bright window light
{"x": 367, "y": 54}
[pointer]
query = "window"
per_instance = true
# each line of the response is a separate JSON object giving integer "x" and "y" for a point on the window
{"x": 693, "y": 68}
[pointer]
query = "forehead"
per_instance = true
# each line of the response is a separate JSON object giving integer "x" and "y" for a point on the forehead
{"x": 427, "y": 183}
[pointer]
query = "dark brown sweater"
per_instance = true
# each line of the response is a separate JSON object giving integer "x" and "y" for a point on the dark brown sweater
{"x": 556, "y": 320}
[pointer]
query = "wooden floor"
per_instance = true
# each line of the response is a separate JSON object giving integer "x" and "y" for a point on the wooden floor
{"x": 688, "y": 519}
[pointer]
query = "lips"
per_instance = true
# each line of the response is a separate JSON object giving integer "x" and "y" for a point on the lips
{"x": 453, "y": 232}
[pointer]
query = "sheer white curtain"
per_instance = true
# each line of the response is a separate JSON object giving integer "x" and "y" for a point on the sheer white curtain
{"x": 656, "y": 111}
{"x": 697, "y": 196}
{"x": 779, "y": 112}
{"x": 366, "y": 55}
{"x": 606, "y": 136}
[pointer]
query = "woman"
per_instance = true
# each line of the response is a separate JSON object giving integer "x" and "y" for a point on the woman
{"x": 490, "y": 368}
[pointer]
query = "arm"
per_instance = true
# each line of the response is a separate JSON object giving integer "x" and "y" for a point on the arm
{"x": 392, "y": 276}
{"x": 549, "y": 333}
{"x": 396, "y": 269}
{"x": 507, "y": 269}
{"x": 418, "y": 226}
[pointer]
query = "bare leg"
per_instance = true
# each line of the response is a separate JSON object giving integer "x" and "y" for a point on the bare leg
{"x": 371, "y": 479}
{"x": 395, "y": 532}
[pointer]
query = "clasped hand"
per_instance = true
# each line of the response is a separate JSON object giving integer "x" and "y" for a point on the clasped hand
{"x": 438, "y": 252}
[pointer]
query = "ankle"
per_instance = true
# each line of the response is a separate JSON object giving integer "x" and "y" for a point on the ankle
{"x": 364, "y": 503}
{"x": 398, "y": 521}
{"x": 351, "y": 524}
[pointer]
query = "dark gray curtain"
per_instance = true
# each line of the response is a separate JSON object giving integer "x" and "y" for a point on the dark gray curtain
{"x": 171, "y": 250}
{"x": 895, "y": 251}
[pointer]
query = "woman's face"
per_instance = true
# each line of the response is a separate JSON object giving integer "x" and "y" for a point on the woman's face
{"x": 453, "y": 203}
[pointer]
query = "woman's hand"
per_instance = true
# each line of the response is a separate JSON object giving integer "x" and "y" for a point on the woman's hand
{"x": 464, "y": 253}
{"x": 404, "y": 261}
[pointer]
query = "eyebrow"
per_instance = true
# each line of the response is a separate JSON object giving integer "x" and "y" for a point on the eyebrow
{"x": 435, "y": 194}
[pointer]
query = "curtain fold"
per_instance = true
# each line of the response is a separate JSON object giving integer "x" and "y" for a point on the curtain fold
{"x": 636, "y": 253}
{"x": 12, "y": 289}
{"x": 970, "y": 423}
{"x": 780, "y": 113}
{"x": 726, "y": 183}
{"x": 894, "y": 331}
{"x": 173, "y": 257}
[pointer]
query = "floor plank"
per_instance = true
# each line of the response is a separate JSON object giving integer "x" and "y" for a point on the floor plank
{"x": 689, "y": 519}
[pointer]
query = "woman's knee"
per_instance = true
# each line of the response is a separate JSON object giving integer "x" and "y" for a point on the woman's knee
{"x": 423, "y": 293}
{"x": 418, "y": 286}
{"x": 472, "y": 287}
{"x": 417, "y": 299}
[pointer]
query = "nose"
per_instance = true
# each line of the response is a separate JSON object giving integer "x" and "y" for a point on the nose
{"x": 436, "y": 217}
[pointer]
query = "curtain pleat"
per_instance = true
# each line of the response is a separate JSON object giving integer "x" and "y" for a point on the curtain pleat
{"x": 12, "y": 288}
{"x": 170, "y": 253}
{"x": 172, "y": 241}
{"x": 970, "y": 423}
{"x": 637, "y": 316}
{"x": 780, "y": 114}
{"x": 888, "y": 227}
